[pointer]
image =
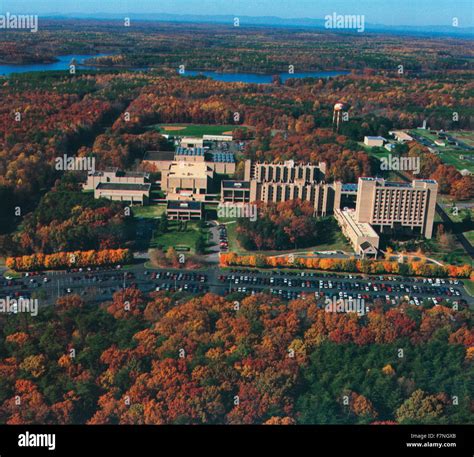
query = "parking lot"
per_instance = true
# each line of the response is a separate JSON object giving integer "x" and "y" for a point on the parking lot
{"x": 101, "y": 284}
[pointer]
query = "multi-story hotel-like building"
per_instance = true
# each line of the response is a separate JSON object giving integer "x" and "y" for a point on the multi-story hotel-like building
{"x": 385, "y": 204}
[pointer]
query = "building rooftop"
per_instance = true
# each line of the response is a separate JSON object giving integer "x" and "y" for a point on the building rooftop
{"x": 349, "y": 187}
{"x": 124, "y": 186}
{"x": 119, "y": 173}
{"x": 395, "y": 184}
{"x": 180, "y": 151}
{"x": 159, "y": 155}
{"x": 382, "y": 183}
{"x": 360, "y": 228}
{"x": 400, "y": 135}
{"x": 366, "y": 246}
{"x": 131, "y": 174}
{"x": 182, "y": 204}
{"x": 220, "y": 156}
{"x": 188, "y": 170}
{"x": 235, "y": 184}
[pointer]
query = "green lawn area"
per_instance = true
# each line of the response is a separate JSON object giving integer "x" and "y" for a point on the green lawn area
{"x": 196, "y": 129}
{"x": 456, "y": 256}
{"x": 465, "y": 136}
{"x": 426, "y": 134}
{"x": 452, "y": 157}
{"x": 177, "y": 238}
{"x": 13, "y": 274}
{"x": 470, "y": 236}
{"x": 462, "y": 213}
{"x": 149, "y": 212}
{"x": 375, "y": 152}
{"x": 337, "y": 242}
{"x": 449, "y": 155}
{"x": 469, "y": 286}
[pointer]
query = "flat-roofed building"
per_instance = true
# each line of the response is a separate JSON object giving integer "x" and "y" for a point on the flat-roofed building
{"x": 401, "y": 136}
{"x": 344, "y": 193}
{"x": 362, "y": 236}
{"x": 235, "y": 192}
{"x": 320, "y": 195}
{"x": 180, "y": 210}
{"x": 114, "y": 175}
{"x": 277, "y": 182}
{"x": 288, "y": 171}
{"x": 385, "y": 204}
{"x": 124, "y": 192}
{"x": 159, "y": 160}
{"x": 374, "y": 141}
{"x": 222, "y": 162}
{"x": 187, "y": 181}
{"x": 191, "y": 142}
{"x": 218, "y": 138}
{"x": 189, "y": 154}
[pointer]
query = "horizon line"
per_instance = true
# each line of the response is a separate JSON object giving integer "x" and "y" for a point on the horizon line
{"x": 196, "y": 18}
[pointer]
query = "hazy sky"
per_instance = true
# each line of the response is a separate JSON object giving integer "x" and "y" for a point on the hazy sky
{"x": 389, "y": 12}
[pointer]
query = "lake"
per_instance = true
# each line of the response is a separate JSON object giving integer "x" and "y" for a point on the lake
{"x": 255, "y": 78}
{"x": 62, "y": 64}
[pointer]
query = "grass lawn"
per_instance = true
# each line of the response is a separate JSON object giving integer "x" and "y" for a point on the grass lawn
{"x": 196, "y": 129}
{"x": 425, "y": 134}
{"x": 451, "y": 157}
{"x": 458, "y": 218}
{"x": 455, "y": 256}
{"x": 337, "y": 242}
{"x": 465, "y": 136}
{"x": 470, "y": 236}
{"x": 469, "y": 286}
{"x": 149, "y": 212}
{"x": 374, "y": 152}
{"x": 13, "y": 274}
{"x": 177, "y": 238}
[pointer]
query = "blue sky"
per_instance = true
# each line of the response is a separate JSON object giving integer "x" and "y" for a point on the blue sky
{"x": 388, "y": 12}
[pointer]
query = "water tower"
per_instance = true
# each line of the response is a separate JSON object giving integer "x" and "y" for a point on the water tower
{"x": 339, "y": 109}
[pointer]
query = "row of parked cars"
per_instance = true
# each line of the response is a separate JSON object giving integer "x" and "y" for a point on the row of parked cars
{"x": 355, "y": 285}
{"x": 175, "y": 276}
{"x": 223, "y": 240}
{"x": 404, "y": 279}
{"x": 289, "y": 294}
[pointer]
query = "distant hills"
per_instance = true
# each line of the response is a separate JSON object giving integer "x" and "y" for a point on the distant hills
{"x": 467, "y": 32}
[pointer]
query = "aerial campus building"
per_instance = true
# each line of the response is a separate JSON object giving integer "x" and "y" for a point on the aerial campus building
{"x": 189, "y": 177}
{"x": 380, "y": 206}
{"x": 185, "y": 180}
{"x": 384, "y": 206}
{"x": 388, "y": 205}
{"x": 125, "y": 186}
{"x": 276, "y": 182}
{"x": 222, "y": 162}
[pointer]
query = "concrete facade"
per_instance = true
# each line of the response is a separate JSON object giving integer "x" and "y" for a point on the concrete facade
{"x": 362, "y": 236}
{"x": 374, "y": 141}
{"x": 277, "y": 182}
{"x": 187, "y": 181}
{"x": 124, "y": 192}
{"x": 386, "y": 204}
{"x": 114, "y": 175}
{"x": 184, "y": 210}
